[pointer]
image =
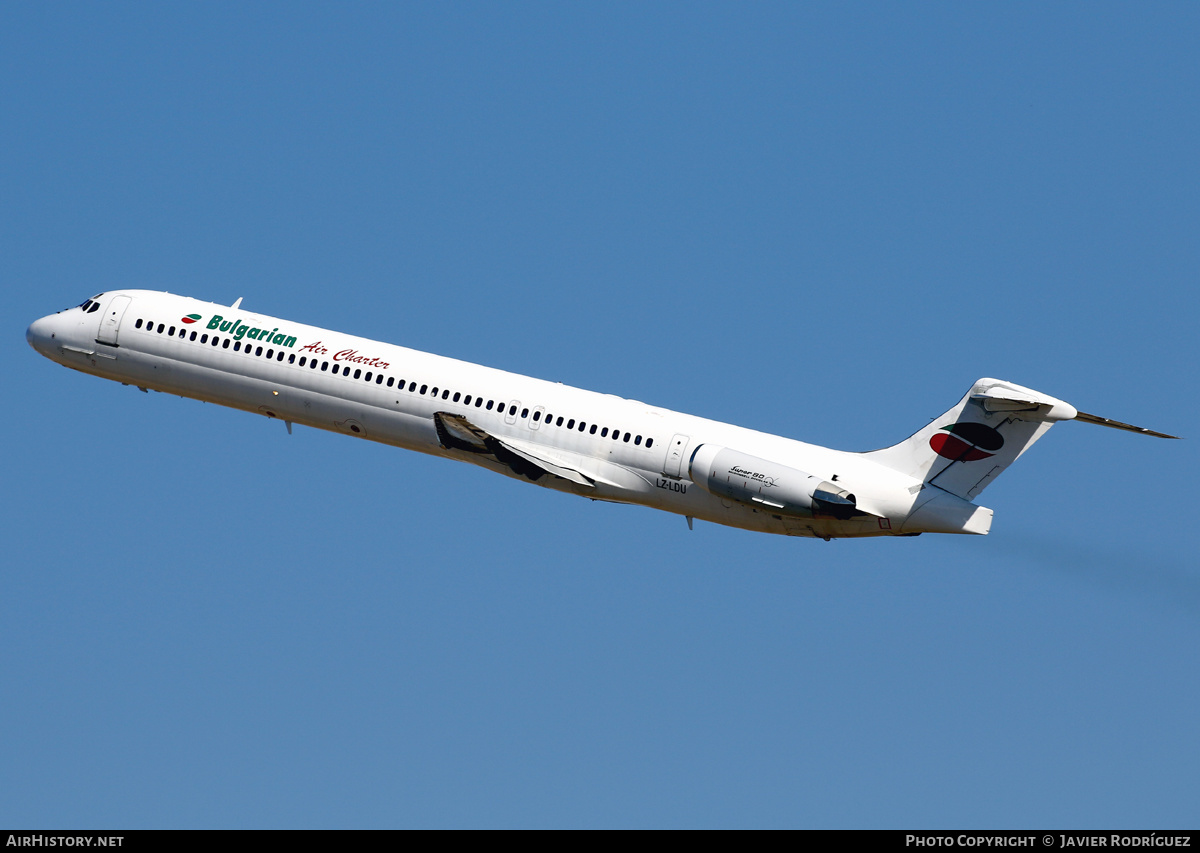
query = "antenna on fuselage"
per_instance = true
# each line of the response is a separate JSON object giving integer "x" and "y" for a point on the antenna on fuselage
{"x": 235, "y": 305}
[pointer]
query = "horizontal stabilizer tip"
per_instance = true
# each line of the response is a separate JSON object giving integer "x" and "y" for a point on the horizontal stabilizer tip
{"x": 1107, "y": 422}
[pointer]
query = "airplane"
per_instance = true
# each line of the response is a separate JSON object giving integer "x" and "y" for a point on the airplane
{"x": 598, "y": 446}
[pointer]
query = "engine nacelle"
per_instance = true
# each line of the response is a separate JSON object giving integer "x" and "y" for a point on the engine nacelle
{"x": 768, "y": 485}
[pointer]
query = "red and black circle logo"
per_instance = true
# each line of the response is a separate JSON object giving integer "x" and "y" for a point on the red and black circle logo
{"x": 966, "y": 442}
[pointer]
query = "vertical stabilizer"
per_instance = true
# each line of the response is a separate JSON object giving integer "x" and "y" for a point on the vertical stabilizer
{"x": 965, "y": 449}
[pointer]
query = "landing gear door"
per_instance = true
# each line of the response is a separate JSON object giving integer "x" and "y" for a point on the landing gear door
{"x": 675, "y": 453}
{"x": 110, "y": 324}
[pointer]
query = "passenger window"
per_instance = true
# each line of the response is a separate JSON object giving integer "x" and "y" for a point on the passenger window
{"x": 160, "y": 328}
{"x": 292, "y": 359}
{"x": 592, "y": 431}
{"x": 182, "y": 332}
{"x": 423, "y": 388}
{"x": 391, "y": 380}
{"x": 237, "y": 346}
{"x": 171, "y": 332}
{"x": 524, "y": 413}
{"x": 224, "y": 343}
{"x": 279, "y": 357}
{"x": 537, "y": 416}
{"x": 649, "y": 442}
{"x": 627, "y": 438}
{"x": 559, "y": 422}
{"x": 136, "y": 325}
{"x": 637, "y": 440}
{"x": 604, "y": 433}
{"x": 446, "y": 394}
{"x": 512, "y": 409}
{"x": 466, "y": 400}
{"x": 478, "y": 402}
{"x": 379, "y": 379}
{"x": 357, "y": 372}
{"x": 456, "y": 396}
{"x": 204, "y": 339}
{"x": 571, "y": 424}
{"x": 324, "y": 366}
{"x": 581, "y": 426}
{"x": 412, "y": 386}
{"x": 270, "y": 353}
{"x": 192, "y": 337}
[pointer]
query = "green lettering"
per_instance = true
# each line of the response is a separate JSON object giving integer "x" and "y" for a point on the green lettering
{"x": 215, "y": 321}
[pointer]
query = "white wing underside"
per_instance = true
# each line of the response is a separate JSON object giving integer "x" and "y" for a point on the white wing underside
{"x": 458, "y": 433}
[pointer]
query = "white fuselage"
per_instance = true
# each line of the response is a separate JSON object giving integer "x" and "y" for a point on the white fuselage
{"x": 602, "y": 446}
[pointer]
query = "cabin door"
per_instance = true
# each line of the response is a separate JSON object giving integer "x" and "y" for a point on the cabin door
{"x": 110, "y": 324}
{"x": 674, "y": 463}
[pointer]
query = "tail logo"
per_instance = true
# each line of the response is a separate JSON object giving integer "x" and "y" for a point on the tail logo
{"x": 966, "y": 442}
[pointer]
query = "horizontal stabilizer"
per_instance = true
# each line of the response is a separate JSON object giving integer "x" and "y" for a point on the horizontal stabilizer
{"x": 965, "y": 449}
{"x": 1106, "y": 422}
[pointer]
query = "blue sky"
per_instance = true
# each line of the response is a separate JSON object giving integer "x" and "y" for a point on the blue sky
{"x": 821, "y": 220}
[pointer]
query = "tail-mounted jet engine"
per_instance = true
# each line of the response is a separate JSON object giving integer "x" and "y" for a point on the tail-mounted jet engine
{"x": 773, "y": 487}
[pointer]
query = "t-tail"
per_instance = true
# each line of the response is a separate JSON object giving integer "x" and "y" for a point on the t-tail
{"x": 964, "y": 450}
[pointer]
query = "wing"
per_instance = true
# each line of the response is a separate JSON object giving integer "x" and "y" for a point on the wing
{"x": 524, "y": 458}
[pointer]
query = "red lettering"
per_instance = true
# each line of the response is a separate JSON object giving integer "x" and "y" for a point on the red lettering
{"x": 352, "y": 355}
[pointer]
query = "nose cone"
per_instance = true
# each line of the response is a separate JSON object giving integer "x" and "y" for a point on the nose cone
{"x": 40, "y": 335}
